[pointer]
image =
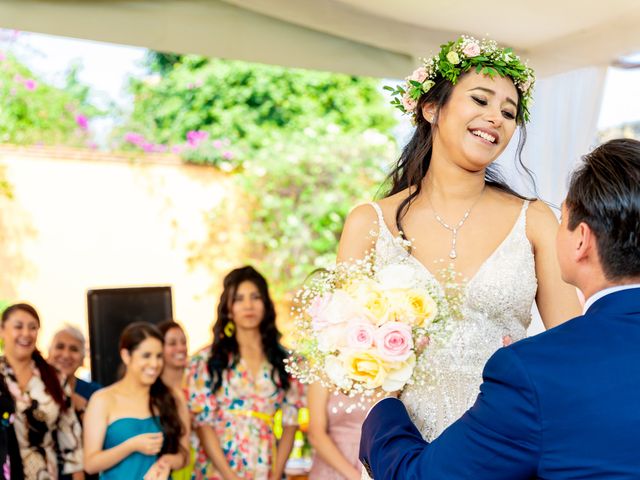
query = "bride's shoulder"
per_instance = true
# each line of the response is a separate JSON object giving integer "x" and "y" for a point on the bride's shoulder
{"x": 540, "y": 215}
{"x": 362, "y": 216}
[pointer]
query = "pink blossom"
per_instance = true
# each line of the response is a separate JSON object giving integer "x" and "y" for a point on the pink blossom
{"x": 134, "y": 138}
{"x": 217, "y": 144}
{"x": 176, "y": 149}
{"x": 419, "y": 75}
{"x": 471, "y": 50}
{"x": 409, "y": 103}
{"x": 195, "y": 137}
{"x": 82, "y": 121}
{"x": 227, "y": 155}
{"x": 393, "y": 341}
{"x": 360, "y": 335}
{"x": 149, "y": 147}
{"x": 2, "y": 56}
{"x": 30, "y": 84}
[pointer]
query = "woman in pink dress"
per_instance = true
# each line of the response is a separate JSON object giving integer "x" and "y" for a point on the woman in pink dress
{"x": 334, "y": 433}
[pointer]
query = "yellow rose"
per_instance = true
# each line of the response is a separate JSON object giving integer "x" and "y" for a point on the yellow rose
{"x": 423, "y": 307}
{"x": 453, "y": 57}
{"x": 368, "y": 294}
{"x": 365, "y": 367}
{"x": 399, "y": 308}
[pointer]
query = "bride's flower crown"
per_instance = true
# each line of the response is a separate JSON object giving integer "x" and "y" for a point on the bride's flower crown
{"x": 458, "y": 57}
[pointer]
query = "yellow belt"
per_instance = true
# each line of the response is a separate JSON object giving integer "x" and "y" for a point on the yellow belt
{"x": 266, "y": 418}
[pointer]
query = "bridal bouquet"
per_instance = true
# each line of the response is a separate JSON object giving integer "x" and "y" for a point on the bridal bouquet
{"x": 358, "y": 329}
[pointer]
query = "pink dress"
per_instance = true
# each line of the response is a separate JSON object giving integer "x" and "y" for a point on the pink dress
{"x": 344, "y": 430}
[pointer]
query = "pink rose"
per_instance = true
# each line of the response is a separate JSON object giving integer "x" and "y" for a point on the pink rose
{"x": 316, "y": 309}
{"x": 409, "y": 103}
{"x": 360, "y": 335}
{"x": 334, "y": 309}
{"x": 471, "y": 50}
{"x": 419, "y": 75}
{"x": 393, "y": 341}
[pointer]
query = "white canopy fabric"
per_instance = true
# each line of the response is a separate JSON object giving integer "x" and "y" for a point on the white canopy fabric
{"x": 382, "y": 38}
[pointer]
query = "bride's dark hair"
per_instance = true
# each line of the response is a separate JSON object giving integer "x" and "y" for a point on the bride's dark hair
{"x": 414, "y": 161}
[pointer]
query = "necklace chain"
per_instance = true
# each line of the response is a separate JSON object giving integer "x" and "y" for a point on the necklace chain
{"x": 453, "y": 254}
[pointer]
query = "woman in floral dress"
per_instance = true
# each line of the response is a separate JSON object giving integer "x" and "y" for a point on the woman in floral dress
{"x": 236, "y": 385}
{"x": 45, "y": 423}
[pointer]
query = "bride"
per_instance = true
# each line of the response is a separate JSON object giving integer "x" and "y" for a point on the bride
{"x": 448, "y": 201}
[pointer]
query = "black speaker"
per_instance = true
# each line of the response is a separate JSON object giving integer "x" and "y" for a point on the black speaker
{"x": 110, "y": 311}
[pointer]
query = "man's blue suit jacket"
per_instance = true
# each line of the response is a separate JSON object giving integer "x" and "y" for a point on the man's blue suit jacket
{"x": 564, "y": 404}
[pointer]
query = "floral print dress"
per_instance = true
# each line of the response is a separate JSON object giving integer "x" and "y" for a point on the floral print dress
{"x": 43, "y": 431}
{"x": 241, "y": 413}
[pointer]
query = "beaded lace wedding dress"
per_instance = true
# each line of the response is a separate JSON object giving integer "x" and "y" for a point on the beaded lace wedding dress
{"x": 496, "y": 305}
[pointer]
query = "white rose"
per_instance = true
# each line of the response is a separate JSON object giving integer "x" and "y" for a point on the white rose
{"x": 397, "y": 378}
{"x": 396, "y": 276}
{"x": 334, "y": 368}
{"x": 332, "y": 338}
{"x": 342, "y": 308}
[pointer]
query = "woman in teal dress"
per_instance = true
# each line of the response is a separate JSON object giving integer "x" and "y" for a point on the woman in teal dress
{"x": 137, "y": 428}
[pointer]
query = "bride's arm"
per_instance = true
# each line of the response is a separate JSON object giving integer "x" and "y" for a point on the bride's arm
{"x": 358, "y": 234}
{"x": 557, "y": 300}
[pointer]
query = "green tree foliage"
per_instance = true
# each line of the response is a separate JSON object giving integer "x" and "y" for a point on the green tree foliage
{"x": 307, "y": 146}
{"x": 34, "y": 112}
{"x": 300, "y": 189}
{"x": 247, "y": 102}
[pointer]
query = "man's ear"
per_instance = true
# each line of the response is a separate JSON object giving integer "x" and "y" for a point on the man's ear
{"x": 586, "y": 242}
{"x": 429, "y": 112}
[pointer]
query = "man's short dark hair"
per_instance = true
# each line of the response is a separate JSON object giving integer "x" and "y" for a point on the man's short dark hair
{"x": 604, "y": 193}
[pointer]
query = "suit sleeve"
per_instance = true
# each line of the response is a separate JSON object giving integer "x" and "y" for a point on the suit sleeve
{"x": 498, "y": 438}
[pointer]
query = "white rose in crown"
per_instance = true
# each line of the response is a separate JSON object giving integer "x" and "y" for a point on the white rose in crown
{"x": 396, "y": 276}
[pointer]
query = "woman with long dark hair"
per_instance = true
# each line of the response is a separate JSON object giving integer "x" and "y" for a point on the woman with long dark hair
{"x": 236, "y": 385}
{"x": 173, "y": 375}
{"x": 45, "y": 423}
{"x": 137, "y": 427}
{"x": 448, "y": 206}
{"x": 175, "y": 354}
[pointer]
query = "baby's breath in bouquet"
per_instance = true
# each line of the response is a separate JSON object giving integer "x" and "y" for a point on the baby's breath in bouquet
{"x": 359, "y": 329}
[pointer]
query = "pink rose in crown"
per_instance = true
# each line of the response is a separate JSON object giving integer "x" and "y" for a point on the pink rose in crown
{"x": 409, "y": 103}
{"x": 419, "y": 75}
{"x": 471, "y": 50}
{"x": 360, "y": 335}
{"x": 393, "y": 341}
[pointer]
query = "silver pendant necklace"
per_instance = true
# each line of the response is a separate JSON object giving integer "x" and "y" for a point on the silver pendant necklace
{"x": 453, "y": 254}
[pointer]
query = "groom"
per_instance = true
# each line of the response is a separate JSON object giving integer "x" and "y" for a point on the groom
{"x": 564, "y": 404}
